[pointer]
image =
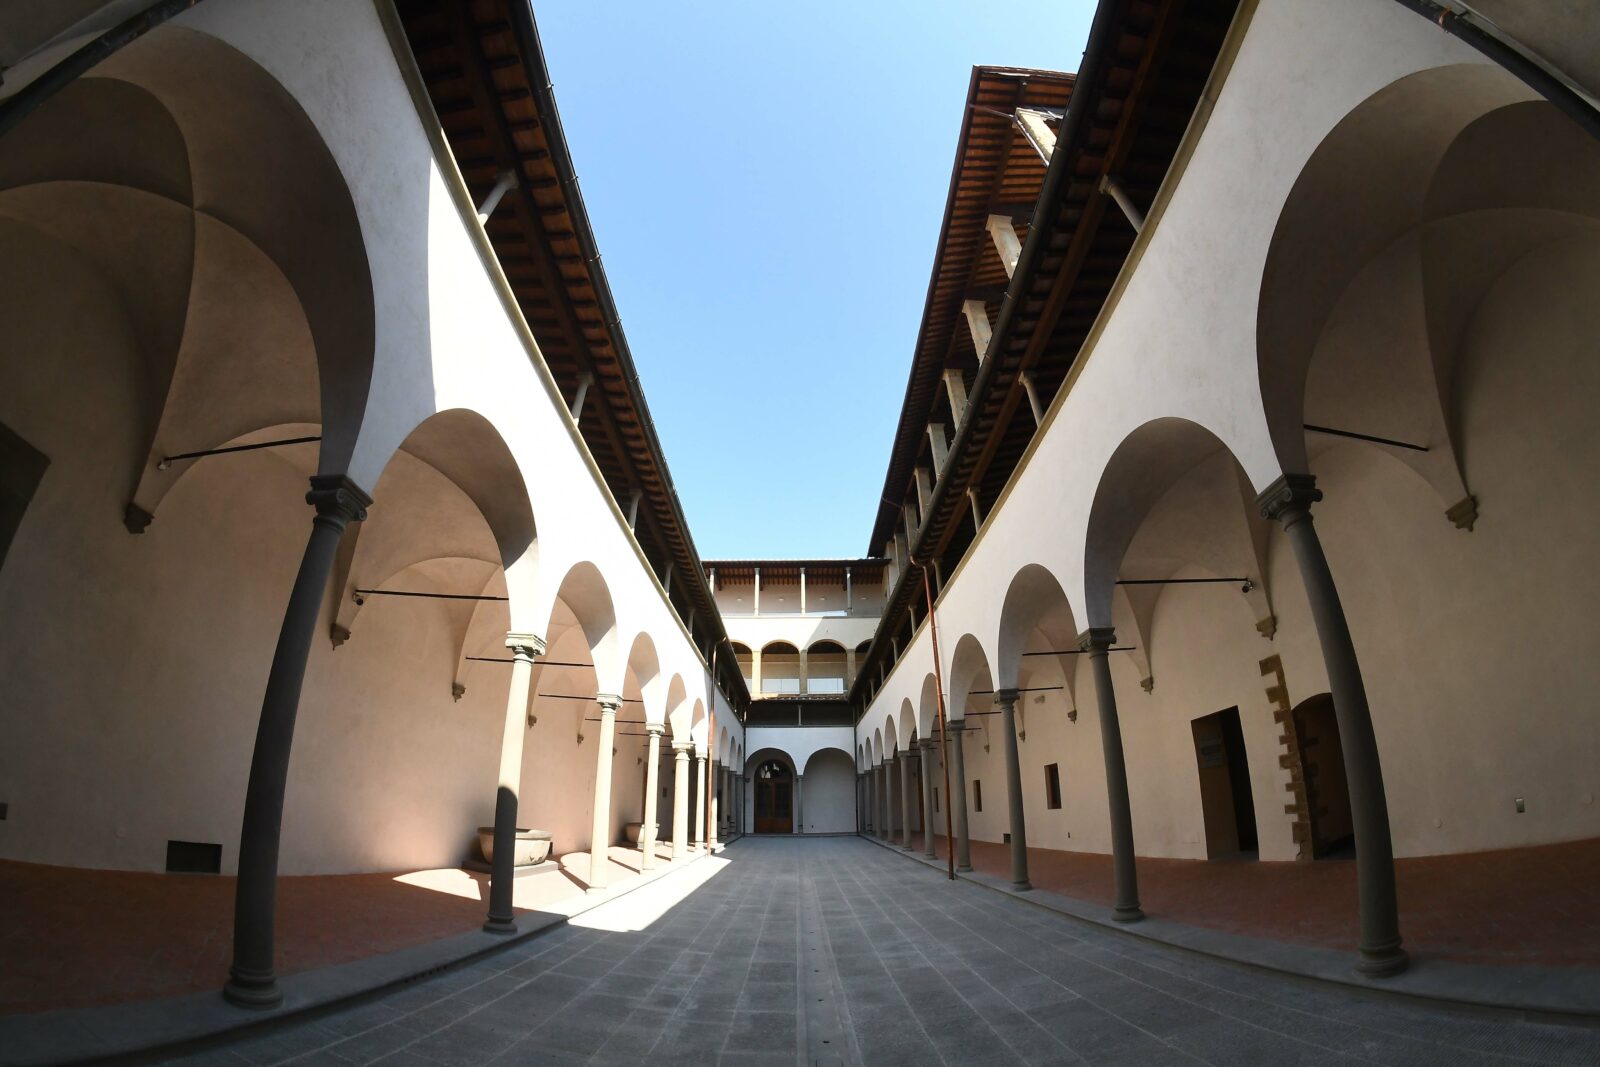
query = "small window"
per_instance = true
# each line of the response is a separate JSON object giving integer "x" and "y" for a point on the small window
{"x": 977, "y": 795}
{"x": 936, "y": 799}
{"x": 194, "y": 857}
{"x": 1052, "y": 786}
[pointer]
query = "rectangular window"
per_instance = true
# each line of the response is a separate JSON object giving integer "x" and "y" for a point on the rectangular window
{"x": 936, "y": 799}
{"x": 977, "y": 795}
{"x": 1052, "y": 786}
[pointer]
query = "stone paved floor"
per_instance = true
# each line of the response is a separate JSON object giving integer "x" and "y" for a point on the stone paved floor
{"x": 1518, "y": 906}
{"x": 835, "y": 951}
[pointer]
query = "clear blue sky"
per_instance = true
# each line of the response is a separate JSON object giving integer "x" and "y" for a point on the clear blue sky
{"x": 766, "y": 183}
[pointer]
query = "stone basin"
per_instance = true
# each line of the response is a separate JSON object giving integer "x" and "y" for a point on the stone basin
{"x": 533, "y": 846}
{"x": 634, "y": 830}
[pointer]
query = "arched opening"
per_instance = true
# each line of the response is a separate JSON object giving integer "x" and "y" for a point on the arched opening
{"x": 860, "y": 657}
{"x": 560, "y": 761}
{"x": 428, "y": 588}
{"x": 780, "y": 669}
{"x": 825, "y": 668}
{"x": 1175, "y": 564}
{"x": 1321, "y": 762}
{"x": 1037, "y": 653}
{"x": 827, "y": 801}
{"x": 746, "y": 662}
{"x": 774, "y": 798}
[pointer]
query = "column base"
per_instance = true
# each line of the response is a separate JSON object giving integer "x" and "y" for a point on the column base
{"x": 1382, "y": 963}
{"x": 1021, "y": 887}
{"x": 1127, "y": 915}
{"x": 499, "y": 926}
{"x": 256, "y": 993}
{"x": 963, "y": 868}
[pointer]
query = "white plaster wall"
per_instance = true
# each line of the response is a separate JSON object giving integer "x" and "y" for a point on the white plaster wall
{"x": 101, "y": 766}
{"x": 799, "y": 743}
{"x": 1474, "y": 646}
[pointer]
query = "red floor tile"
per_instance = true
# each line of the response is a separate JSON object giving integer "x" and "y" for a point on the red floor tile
{"x": 1515, "y": 906}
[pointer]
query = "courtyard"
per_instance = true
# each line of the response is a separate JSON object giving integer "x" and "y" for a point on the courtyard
{"x": 832, "y": 950}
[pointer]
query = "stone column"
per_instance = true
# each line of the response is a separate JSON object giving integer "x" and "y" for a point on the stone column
{"x": 710, "y": 822}
{"x": 600, "y": 830}
{"x": 905, "y": 798}
{"x": 524, "y": 648}
{"x": 252, "y": 982}
{"x": 958, "y": 795}
{"x": 799, "y": 816}
{"x": 700, "y": 794}
{"x": 1289, "y": 500}
{"x": 1096, "y": 641}
{"x": 887, "y": 767}
{"x": 652, "y": 766}
{"x": 680, "y": 799}
{"x": 880, "y": 803}
{"x": 927, "y": 798}
{"x": 1007, "y": 699}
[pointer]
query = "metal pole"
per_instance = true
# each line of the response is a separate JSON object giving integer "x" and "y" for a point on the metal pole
{"x": 944, "y": 738}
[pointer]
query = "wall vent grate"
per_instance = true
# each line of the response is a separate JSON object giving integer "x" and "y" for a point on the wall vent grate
{"x": 194, "y": 857}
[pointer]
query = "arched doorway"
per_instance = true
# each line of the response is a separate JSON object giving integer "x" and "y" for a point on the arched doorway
{"x": 774, "y": 798}
{"x": 1322, "y": 768}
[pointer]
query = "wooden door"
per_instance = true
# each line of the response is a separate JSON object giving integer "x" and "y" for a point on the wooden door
{"x": 774, "y": 799}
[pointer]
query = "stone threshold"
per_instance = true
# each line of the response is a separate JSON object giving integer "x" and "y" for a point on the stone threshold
{"x": 151, "y": 1030}
{"x": 1538, "y": 993}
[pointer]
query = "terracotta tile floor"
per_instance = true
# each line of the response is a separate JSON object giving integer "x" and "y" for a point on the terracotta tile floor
{"x": 76, "y": 938}
{"x": 1519, "y": 906}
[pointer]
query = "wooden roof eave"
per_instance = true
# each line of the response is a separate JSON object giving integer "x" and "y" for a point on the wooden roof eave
{"x": 910, "y": 428}
{"x": 1097, "y": 63}
{"x": 625, "y": 430}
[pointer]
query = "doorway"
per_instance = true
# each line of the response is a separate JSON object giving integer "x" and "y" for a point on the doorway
{"x": 1322, "y": 765}
{"x": 774, "y": 798}
{"x": 1225, "y": 797}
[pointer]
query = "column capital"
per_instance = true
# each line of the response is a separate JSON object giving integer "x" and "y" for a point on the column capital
{"x": 1006, "y": 697}
{"x": 336, "y": 497}
{"x": 1288, "y": 497}
{"x": 525, "y": 646}
{"x": 681, "y": 748}
{"x": 927, "y": 744}
{"x": 655, "y": 729}
{"x": 1097, "y": 639}
{"x": 608, "y": 702}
